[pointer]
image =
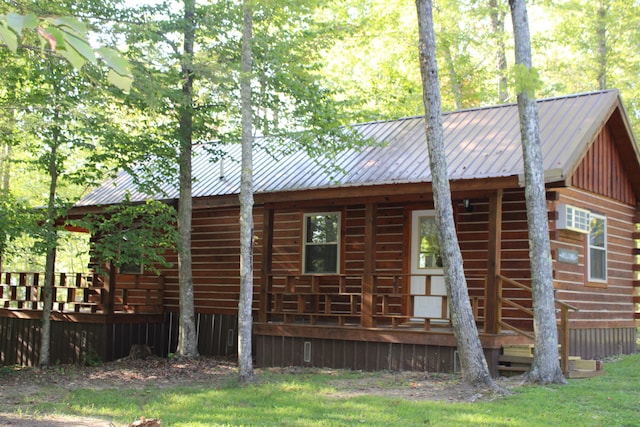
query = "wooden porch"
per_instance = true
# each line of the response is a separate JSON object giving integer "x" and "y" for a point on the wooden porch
{"x": 82, "y": 294}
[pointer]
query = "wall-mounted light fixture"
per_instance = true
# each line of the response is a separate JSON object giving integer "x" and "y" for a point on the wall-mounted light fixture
{"x": 467, "y": 205}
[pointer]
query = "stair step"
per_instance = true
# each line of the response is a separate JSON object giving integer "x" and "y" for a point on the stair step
{"x": 513, "y": 368}
{"x": 515, "y": 359}
{"x": 584, "y": 373}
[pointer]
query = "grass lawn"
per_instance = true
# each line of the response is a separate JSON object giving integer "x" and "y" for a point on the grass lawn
{"x": 309, "y": 398}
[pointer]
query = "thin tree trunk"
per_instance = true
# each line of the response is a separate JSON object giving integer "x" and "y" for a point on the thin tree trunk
{"x": 453, "y": 77}
{"x": 601, "y": 34}
{"x": 44, "y": 359}
{"x": 546, "y": 366}
{"x": 5, "y": 168}
{"x": 473, "y": 363}
{"x": 245, "y": 320}
{"x": 497, "y": 27}
{"x": 187, "y": 337}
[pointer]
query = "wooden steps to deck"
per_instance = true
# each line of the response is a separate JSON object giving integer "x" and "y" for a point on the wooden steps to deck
{"x": 517, "y": 359}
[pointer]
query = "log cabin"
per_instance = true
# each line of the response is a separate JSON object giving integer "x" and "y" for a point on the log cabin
{"x": 346, "y": 263}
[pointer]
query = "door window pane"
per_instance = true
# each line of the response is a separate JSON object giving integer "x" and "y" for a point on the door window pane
{"x": 429, "y": 253}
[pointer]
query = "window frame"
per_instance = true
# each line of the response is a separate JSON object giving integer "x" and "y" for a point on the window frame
{"x": 598, "y": 281}
{"x": 305, "y": 244}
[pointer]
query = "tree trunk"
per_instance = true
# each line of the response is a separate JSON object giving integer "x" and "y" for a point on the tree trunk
{"x": 246, "y": 204}
{"x": 601, "y": 35}
{"x": 473, "y": 363}
{"x": 51, "y": 240}
{"x": 497, "y": 27}
{"x": 453, "y": 76}
{"x": 5, "y": 168}
{"x": 545, "y": 367}
{"x": 187, "y": 337}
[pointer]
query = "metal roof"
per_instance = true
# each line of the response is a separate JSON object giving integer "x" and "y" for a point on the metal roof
{"x": 480, "y": 143}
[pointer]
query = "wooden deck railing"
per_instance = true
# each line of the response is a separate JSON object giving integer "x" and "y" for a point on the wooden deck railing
{"x": 563, "y": 327}
{"x": 82, "y": 293}
{"x": 77, "y": 292}
{"x": 343, "y": 300}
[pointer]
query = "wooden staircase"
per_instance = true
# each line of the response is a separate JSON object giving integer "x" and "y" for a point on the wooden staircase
{"x": 517, "y": 359}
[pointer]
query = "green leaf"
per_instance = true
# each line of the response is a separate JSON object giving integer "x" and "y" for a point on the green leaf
{"x": 66, "y": 21}
{"x": 80, "y": 45}
{"x": 120, "y": 81}
{"x": 115, "y": 61}
{"x": 9, "y": 38}
{"x": 58, "y": 37}
{"x": 525, "y": 80}
{"x": 19, "y": 22}
{"x": 73, "y": 57}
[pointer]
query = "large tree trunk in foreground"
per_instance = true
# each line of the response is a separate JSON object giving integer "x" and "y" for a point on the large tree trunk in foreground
{"x": 187, "y": 337}
{"x": 472, "y": 360}
{"x": 546, "y": 366}
{"x": 245, "y": 321}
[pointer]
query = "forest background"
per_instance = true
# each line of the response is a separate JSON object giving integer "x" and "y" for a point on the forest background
{"x": 360, "y": 56}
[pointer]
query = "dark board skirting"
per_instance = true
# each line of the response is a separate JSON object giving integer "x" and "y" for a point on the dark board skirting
{"x": 90, "y": 342}
{"x": 217, "y": 334}
{"x": 598, "y": 343}
{"x": 274, "y": 351}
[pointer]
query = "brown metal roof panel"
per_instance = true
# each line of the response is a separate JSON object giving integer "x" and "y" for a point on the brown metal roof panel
{"x": 480, "y": 143}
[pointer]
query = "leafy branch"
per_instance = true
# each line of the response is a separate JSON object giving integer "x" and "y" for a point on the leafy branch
{"x": 67, "y": 37}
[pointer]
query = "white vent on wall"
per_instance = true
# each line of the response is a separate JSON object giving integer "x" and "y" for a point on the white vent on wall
{"x": 574, "y": 219}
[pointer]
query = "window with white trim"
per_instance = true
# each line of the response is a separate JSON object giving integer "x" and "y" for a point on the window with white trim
{"x": 321, "y": 249}
{"x": 597, "y": 248}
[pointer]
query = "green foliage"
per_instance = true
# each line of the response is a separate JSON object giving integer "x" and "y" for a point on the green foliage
{"x": 133, "y": 234}
{"x": 16, "y": 218}
{"x": 68, "y": 37}
{"x": 525, "y": 80}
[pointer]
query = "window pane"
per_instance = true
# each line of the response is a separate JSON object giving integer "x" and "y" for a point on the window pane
{"x": 322, "y": 228}
{"x": 321, "y": 258}
{"x": 596, "y": 235}
{"x": 429, "y": 245}
{"x": 598, "y": 264}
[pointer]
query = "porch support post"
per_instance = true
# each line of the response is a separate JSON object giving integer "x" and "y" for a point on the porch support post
{"x": 369, "y": 265}
{"x": 109, "y": 299}
{"x": 492, "y": 304}
{"x": 267, "y": 256}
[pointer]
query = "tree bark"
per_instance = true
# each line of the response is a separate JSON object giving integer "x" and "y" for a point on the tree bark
{"x": 497, "y": 27}
{"x": 545, "y": 367}
{"x": 245, "y": 321}
{"x": 601, "y": 34}
{"x": 472, "y": 361}
{"x": 51, "y": 241}
{"x": 453, "y": 76}
{"x": 187, "y": 337}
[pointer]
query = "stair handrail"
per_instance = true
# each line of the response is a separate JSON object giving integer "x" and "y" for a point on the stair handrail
{"x": 564, "y": 318}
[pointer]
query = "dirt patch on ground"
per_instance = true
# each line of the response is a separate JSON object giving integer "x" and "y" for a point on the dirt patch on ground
{"x": 20, "y": 386}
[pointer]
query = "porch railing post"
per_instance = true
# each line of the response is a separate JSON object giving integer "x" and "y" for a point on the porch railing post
{"x": 564, "y": 339}
{"x": 264, "y": 303}
{"x": 493, "y": 292}
{"x": 366, "y": 320}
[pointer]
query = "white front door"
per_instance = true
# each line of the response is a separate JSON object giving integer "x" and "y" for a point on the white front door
{"x": 426, "y": 267}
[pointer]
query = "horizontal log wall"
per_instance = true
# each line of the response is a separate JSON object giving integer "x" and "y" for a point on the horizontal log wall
{"x": 216, "y": 261}
{"x": 472, "y": 227}
{"x": 602, "y": 305}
